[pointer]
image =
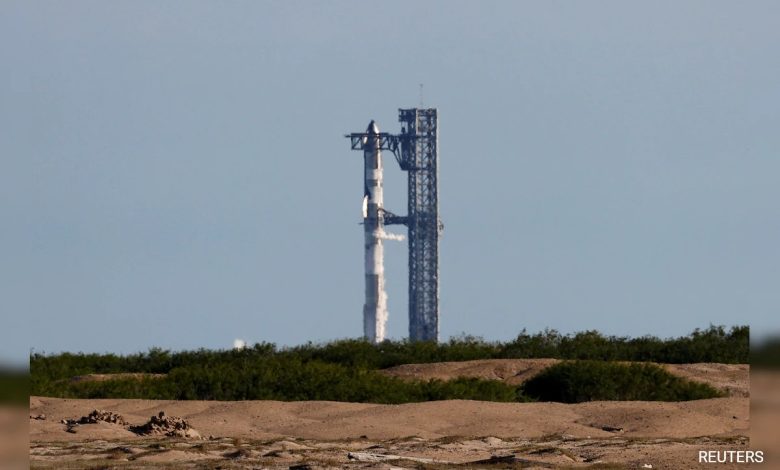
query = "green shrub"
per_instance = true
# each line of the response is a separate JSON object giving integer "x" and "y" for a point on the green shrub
{"x": 344, "y": 370}
{"x": 289, "y": 382}
{"x": 581, "y": 381}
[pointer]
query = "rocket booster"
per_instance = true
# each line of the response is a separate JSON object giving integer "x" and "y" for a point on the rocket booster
{"x": 375, "y": 308}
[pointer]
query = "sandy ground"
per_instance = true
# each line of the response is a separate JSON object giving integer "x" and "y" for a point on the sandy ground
{"x": 432, "y": 435}
{"x": 270, "y": 434}
{"x": 732, "y": 378}
{"x": 107, "y": 377}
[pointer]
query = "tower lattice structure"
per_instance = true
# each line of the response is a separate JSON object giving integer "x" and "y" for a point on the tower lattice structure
{"x": 416, "y": 149}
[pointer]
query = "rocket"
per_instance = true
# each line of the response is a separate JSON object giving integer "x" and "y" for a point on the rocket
{"x": 375, "y": 308}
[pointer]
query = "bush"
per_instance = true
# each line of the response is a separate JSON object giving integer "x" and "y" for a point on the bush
{"x": 344, "y": 370}
{"x": 289, "y": 381}
{"x": 581, "y": 381}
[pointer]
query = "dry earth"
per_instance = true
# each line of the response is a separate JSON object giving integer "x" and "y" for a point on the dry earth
{"x": 732, "y": 378}
{"x": 269, "y": 434}
{"x": 121, "y": 376}
{"x": 432, "y": 435}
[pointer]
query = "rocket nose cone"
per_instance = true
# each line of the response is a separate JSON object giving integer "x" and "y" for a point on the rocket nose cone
{"x": 372, "y": 128}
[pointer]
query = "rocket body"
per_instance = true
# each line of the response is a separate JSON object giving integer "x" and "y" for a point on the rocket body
{"x": 375, "y": 307}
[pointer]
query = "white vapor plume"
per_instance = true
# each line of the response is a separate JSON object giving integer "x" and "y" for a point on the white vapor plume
{"x": 392, "y": 236}
{"x": 239, "y": 344}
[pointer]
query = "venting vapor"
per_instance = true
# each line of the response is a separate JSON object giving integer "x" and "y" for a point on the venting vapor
{"x": 416, "y": 151}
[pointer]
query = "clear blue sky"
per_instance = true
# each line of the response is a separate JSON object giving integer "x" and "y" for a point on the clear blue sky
{"x": 174, "y": 173}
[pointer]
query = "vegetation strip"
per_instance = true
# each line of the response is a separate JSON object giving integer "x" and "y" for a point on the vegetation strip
{"x": 347, "y": 370}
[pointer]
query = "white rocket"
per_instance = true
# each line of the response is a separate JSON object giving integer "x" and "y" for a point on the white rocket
{"x": 375, "y": 308}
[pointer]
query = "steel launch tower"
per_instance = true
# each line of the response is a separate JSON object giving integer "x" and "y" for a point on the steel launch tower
{"x": 416, "y": 150}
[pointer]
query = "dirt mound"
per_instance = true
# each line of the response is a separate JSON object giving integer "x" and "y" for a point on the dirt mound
{"x": 97, "y": 416}
{"x": 171, "y": 426}
{"x": 510, "y": 371}
{"x": 106, "y": 421}
{"x": 120, "y": 376}
{"x": 731, "y": 378}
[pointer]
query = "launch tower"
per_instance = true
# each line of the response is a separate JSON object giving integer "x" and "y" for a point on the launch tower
{"x": 416, "y": 150}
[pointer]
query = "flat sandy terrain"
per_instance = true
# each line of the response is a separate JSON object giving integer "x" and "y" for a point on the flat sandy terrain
{"x": 443, "y": 434}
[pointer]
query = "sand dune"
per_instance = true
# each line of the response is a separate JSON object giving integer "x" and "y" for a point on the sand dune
{"x": 432, "y": 435}
{"x": 430, "y": 420}
{"x": 732, "y": 378}
{"x": 272, "y": 434}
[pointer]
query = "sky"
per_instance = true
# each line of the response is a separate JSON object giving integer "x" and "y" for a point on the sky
{"x": 175, "y": 174}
